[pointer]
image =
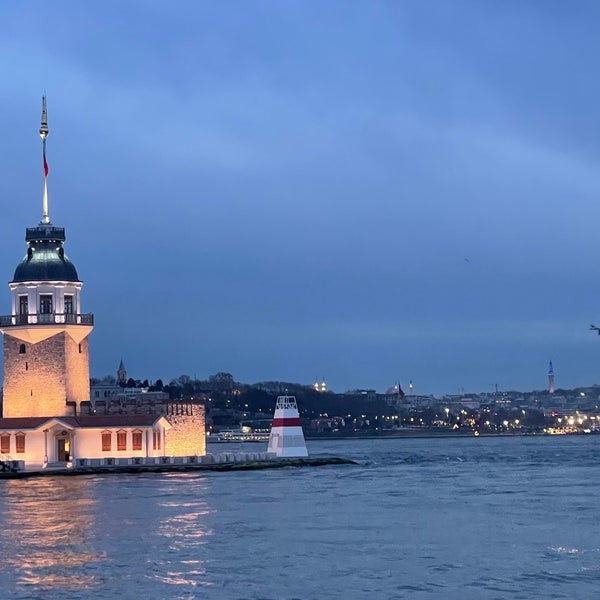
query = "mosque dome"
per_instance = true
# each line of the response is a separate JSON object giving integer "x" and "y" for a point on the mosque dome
{"x": 45, "y": 259}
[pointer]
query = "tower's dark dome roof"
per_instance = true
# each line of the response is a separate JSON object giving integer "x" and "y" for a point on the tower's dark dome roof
{"x": 45, "y": 261}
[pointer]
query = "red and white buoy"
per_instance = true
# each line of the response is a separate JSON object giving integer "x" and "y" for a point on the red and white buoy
{"x": 287, "y": 439}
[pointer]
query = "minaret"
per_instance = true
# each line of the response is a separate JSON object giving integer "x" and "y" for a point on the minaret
{"x": 550, "y": 378}
{"x": 46, "y": 356}
{"x": 320, "y": 387}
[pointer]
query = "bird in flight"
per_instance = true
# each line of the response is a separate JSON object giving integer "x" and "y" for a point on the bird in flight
{"x": 594, "y": 328}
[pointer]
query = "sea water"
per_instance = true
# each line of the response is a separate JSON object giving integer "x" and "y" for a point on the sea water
{"x": 510, "y": 517}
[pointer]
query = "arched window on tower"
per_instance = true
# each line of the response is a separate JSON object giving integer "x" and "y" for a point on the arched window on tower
{"x": 22, "y": 349}
{"x": 68, "y": 304}
{"x": 46, "y": 304}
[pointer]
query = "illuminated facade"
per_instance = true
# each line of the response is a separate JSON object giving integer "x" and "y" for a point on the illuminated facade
{"x": 83, "y": 441}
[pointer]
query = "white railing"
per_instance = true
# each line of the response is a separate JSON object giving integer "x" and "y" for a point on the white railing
{"x": 47, "y": 319}
{"x": 284, "y": 402}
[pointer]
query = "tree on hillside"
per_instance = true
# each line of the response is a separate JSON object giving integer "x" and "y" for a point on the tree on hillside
{"x": 157, "y": 386}
{"x": 258, "y": 400}
{"x": 221, "y": 381}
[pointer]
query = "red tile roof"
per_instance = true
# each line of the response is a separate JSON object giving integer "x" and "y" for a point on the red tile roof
{"x": 117, "y": 420}
{"x": 22, "y": 422}
{"x": 84, "y": 422}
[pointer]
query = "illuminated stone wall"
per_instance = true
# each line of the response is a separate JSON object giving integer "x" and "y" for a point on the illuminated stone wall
{"x": 39, "y": 382}
{"x": 187, "y": 434}
{"x": 78, "y": 370}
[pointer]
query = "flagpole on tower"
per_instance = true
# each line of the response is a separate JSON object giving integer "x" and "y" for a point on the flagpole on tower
{"x": 44, "y": 135}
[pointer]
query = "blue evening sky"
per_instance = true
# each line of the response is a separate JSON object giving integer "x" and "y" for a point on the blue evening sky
{"x": 366, "y": 191}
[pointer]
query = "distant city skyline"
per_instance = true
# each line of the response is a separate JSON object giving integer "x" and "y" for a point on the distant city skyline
{"x": 366, "y": 192}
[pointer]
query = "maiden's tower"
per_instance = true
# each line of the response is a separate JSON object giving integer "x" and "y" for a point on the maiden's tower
{"x": 46, "y": 417}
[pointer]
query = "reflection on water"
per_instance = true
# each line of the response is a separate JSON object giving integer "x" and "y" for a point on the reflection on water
{"x": 69, "y": 537}
{"x": 48, "y": 532}
{"x": 184, "y": 531}
{"x": 477, "y": 518}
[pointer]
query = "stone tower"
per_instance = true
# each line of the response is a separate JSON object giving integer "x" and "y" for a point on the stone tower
{"x": 46, "y": 355}
{"x": 550, "y": 378}
{"x": 121, "y": 374}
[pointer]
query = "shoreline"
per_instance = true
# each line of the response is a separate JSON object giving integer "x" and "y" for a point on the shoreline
{"x": 442, "y": 434}
{"x": 276, "y": 463}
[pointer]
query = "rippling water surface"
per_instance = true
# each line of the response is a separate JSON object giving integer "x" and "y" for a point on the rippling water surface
{"x": 418, "y": 518}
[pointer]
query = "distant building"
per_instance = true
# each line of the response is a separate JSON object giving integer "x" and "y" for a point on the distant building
{"x": 110, "y": 398}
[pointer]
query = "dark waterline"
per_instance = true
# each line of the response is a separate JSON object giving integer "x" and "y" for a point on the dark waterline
{"x": 417, "y": 518}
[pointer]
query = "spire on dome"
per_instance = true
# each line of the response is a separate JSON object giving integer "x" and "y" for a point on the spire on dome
{"x": 44, "y": 134}
{"x": 44, "y": 124}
